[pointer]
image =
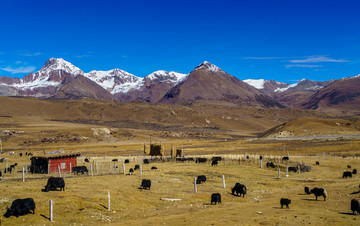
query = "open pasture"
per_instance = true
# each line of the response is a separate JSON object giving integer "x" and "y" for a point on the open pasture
{"x": 85, "y": 199}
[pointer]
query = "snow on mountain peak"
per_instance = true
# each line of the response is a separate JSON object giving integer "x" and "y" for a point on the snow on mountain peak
{"x": 164, "y": 75}
{"x": 115, "y": 81}
{"x": 257, "y": 83}
{"x": 54, "y": 64}
{"x": 209, "y": 66}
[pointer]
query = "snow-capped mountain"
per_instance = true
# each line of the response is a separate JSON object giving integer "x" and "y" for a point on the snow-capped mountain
{"x": 163, "y": 76}
{"x": 52, "y": 73}
{"x": 267, "y": 87}
{"x": 257, "y": 83}
{"x": 44, "y": 82}
{"x": 209, "y": 67}
{"x": 208, "y": 82}
{"x": 115, "y": 81}
{"x": 62, "y": 80}
{"x": 305, "y": 84}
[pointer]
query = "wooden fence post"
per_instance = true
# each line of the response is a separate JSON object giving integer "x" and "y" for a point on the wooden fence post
{"x": 124, "y": 168}
{"x": 223, "y": 177}
{"x": 140, "y": 169}
{"x": 278, "y": 172}
{"x": 287, "y": 171}
{"x": 91, "y": 170}
{"x": 108, "y": 200}
{"x": 195, "y": 189}
{"x": 51, "y": 210}
{"x": 212, "y": 181}
{"x": 23, "y": 175}
{"x": 261, "y": 163}
{"x": 59, "y": 170}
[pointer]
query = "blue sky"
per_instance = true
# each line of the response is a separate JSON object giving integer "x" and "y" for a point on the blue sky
{"x": 281, "y": 40}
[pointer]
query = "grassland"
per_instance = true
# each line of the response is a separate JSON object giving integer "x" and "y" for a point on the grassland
{"x": 107, "y": 130}
{"x": 84, "y": 202}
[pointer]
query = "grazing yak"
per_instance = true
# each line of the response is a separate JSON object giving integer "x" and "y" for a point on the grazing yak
{"x": 239, "y": 189}
{"x": 131, "y": 171}
{"x": 146, "y": 161}
{"x": 217, "y": 158}
{"x": 200, "y": 179}
{"x": 317, "y": 163}
{"x": 215, "y": 198}
{"x": 354, "y": 171}
{"x": 53, "y": 183}
{"x": 154, "y": 167}
{"x": 307, "y": 190}
{"x": 200, "y": 160}
{"x": 355, "y": 206}
{"x": 214, "y": 162}
{"x": 285, "y": 159}
{"x": 319, "y": 192}
{"x": 285, "y": 202}
{"x": 20, "y": 207}
{"x": 86, "y": 160}
{"x": 145, "y": 184}
{"x": 80, "y": 169}
{"x": 270, "y": 164}
{"x": 136, "y": 167}
{"x": 347, "y": 174}
{"x": 348, "y": 166}
{"x": 292, "y": 169}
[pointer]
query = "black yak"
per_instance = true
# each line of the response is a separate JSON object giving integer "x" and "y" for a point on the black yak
{"x": 285, "y": 202}
{"x": 319, "y": 192}
{"x": 215, "y": 198}
{"x": 239, "y": 189}
{"x": 20, "y": 207}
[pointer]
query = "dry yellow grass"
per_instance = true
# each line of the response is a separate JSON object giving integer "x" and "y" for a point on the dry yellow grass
{"x": 84, "y": 200}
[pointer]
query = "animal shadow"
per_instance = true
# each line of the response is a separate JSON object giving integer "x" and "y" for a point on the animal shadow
{"x": 346, "y": 213}
{"x": 103, "y": 206}
{"x": 48, "y": 218}
{"x": 357, "y": 192}
{"x": 311, "y": 200}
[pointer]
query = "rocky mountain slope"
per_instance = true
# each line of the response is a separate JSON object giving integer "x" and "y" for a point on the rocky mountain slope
{"x": 60, "y": 79}
{"x": 209, "y": 82}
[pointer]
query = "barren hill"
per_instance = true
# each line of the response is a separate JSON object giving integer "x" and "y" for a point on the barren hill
{"x": 315, "y": 127}
{"x": 341, "y": 96}
{"x": 208, "y": 82}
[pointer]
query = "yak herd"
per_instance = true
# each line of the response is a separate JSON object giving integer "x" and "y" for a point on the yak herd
{"x": 25, "y": 206}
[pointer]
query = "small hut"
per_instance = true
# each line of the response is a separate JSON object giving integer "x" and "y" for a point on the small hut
{"x": 156, "y": 150}
{"x": 51, "y": 164}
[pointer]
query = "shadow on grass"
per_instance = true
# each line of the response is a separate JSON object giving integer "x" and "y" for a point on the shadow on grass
{"x": 311, "y": 200}
{"x": 207, "y": 204}
{"x": 48, "y": 218}
{"x": 103, "y": 206}
{"x": 357, "y": 192}
{"x": 346, "y": 213}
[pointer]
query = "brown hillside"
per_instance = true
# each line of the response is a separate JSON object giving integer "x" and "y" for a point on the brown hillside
{"x": 208, "y": 82}
{"x": 80, "y": 87}
{"x": 341, "y": 96}
{"x": 315, "y": 127}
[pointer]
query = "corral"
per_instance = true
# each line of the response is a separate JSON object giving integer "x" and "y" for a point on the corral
{"x": 85, "y": 199}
